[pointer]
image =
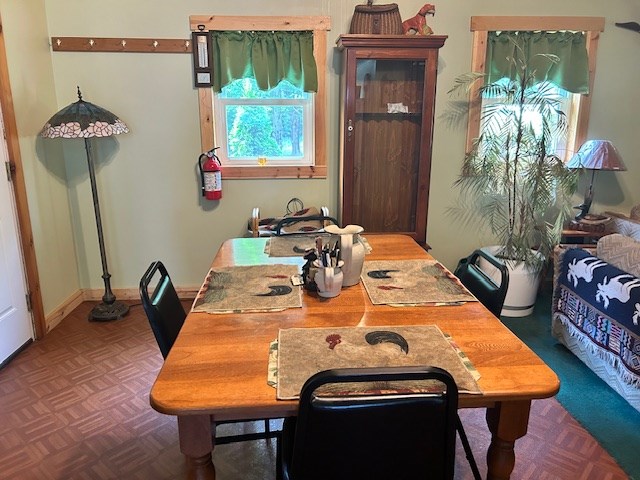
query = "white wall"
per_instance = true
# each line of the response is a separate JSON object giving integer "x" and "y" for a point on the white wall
{"x": 147, "y": 179}
{"x": 32, "y": 85}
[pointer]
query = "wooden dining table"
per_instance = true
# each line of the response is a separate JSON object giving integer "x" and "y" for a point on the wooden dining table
{"x": 217, "y": 368}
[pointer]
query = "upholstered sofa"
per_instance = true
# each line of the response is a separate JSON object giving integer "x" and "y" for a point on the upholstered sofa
{"x": 596, "y": 307}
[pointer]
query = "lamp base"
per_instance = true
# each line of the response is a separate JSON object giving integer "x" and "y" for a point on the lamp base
{"x": 104, "y": 312}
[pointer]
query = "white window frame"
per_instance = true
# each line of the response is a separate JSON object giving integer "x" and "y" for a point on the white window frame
{"x": 319, "y": 25}
{"x": 221, "y": 129}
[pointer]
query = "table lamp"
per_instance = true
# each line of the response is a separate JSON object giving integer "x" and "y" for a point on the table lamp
{"x": 595, "y": 155}
{"x": 86, "y": 120}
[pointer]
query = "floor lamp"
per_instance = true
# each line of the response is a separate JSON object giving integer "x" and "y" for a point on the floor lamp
{"x": 86, "y": 120}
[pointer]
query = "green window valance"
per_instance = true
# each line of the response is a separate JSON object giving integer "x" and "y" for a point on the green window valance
{"x": 571, "y": 72}
{"x": 269, "y": 57}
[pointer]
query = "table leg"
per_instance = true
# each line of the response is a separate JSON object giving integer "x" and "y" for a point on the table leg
{"x": 196, "y": 445}
{"x": 507, "y": 422}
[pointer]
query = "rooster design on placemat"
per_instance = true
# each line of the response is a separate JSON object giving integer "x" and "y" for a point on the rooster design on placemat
{"x": 276, "y": 290}
{"x": 381, "y": 273}
{"x": 333, "y": 340}
{"x": 386, "y": 336}
{"x": 216, "y": 287}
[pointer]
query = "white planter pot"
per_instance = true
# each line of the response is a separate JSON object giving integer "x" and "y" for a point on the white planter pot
{"x": 523, "y": 285}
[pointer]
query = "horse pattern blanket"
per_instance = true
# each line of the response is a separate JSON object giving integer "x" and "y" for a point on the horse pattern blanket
{"x": 600, "y": 305}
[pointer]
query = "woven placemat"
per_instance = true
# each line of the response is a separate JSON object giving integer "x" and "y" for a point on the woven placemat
{"x": 256, "y": 288}
{"x": 302, "y": 352}
{"x": 412, "y": 282}
{"x": 293, "y": 245}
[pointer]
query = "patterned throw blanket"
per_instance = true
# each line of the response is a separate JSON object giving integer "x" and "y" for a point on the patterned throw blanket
{"x": 599, "y": 304}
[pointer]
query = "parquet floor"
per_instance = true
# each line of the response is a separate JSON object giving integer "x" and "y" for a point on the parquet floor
{"x": 75, "y": 406}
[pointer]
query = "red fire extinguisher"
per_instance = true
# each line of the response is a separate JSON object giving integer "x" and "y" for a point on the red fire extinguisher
{"x": 210, "y": 175}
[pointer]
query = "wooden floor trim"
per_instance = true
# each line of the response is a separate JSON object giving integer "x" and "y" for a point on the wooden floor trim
{"x": 133, "y": 294}
{"x": 95, "y": 295}
{"x": 54, "y": 318}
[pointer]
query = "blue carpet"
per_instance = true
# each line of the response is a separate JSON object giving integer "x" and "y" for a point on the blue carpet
{"x": 596, "y": 406}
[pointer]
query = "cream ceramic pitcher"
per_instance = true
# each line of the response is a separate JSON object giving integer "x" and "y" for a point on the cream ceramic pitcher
{"x": 351, "y": 252}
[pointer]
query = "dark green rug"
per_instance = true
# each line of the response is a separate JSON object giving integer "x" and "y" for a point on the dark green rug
{"x": 596, "y": 406}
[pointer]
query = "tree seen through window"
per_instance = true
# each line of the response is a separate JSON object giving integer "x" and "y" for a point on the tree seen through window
{"x": 263, "y": 123}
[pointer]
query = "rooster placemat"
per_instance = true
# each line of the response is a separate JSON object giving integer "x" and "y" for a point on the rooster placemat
{"x": 412, "y": 282}
{"x": 256, "y": 288}
{"x": 303, "y": 352}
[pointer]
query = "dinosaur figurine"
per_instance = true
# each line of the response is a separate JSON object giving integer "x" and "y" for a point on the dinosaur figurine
{"x": 417, "y": 25}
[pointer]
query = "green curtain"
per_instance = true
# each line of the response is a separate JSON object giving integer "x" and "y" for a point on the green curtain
{"x": 570, "y": 73}
{"x": 269, "y": 57}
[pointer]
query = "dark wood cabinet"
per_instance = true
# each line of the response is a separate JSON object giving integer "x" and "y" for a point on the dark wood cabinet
{"x": 387, "y": 106}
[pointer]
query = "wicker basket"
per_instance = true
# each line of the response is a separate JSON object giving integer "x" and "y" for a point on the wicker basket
{"x": 376, "y": 19}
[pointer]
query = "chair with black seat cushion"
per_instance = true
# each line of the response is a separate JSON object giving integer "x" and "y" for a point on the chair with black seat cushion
{"x": 481, "y": 284}
{"x": 166, "y": 316}
{"x": 163, "y": 308}
{"x": 400, "y": 436}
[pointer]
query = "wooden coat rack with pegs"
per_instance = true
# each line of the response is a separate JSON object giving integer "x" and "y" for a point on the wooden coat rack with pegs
{"x": 131, "y": 45}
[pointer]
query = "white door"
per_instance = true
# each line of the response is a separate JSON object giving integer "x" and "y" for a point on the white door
{"x": 15, "y": 319}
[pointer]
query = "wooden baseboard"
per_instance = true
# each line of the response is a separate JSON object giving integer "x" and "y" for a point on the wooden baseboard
{"x": 93, "y": 295}
{"x": 133, "y": 294}
{"x": 54, "y": 318}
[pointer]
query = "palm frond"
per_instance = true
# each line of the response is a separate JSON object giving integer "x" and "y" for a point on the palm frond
{"x": 510, "y": 183}
{"x": 463, "y": 83}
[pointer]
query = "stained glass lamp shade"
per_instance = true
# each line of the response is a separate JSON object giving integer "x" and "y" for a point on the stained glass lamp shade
{"x": 85, "y": 120}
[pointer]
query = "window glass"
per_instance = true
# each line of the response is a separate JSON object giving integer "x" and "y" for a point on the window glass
{"x": 567, "y": 102}
{"x": 577, "y": 106}
{"x": 258, "y": 127}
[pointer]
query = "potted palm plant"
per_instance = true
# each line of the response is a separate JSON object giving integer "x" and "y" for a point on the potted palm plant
{"x": 512, "y": 182}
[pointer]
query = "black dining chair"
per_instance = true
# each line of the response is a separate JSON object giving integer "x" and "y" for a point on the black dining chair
{"x": 398, "y": 436}
{"x": 163, "y": 308}
{"x": 483, "y": 287}
{"x": 166, "y": 316}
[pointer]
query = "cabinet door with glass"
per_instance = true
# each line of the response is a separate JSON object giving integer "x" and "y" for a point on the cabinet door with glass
{"x": 387, "y": 107}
